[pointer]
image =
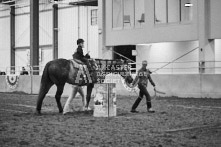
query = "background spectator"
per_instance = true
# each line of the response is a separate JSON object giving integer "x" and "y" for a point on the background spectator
{"x": 24, "y": 72}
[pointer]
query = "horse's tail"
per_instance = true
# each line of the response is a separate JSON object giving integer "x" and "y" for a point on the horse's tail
{"x": 45, "y": 75}
{"x": 45, "y": 85}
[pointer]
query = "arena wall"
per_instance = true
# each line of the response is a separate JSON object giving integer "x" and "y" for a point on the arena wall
{"x": 179, "y": 85}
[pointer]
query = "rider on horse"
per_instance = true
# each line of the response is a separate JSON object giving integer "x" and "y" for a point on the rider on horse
{"x": 80, "y": 59}
{"x": 79, "y": 53}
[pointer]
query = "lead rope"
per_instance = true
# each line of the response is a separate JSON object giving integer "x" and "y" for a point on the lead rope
{"x": 176, "y": 59}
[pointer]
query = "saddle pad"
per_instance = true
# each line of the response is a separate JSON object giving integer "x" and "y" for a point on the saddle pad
{"x": 83, "y": 75}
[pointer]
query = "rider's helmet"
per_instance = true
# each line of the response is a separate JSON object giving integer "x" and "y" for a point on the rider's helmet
{"x": 80, "y": 41}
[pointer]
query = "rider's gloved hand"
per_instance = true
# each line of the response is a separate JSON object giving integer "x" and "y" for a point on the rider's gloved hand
{"x": 87, "y": 56}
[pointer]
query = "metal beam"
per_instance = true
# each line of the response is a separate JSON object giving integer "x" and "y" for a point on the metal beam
{"x": 85, "y": 3}
{"x": 34, "y": 35}
{"x": 55, "y": 31}
{"x": 8, "y": 2}
{"x": 28, "y": 47}
{"x": 12, "y": 36}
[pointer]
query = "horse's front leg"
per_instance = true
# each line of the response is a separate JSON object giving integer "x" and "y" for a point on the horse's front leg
{"x": 89, "y": 91}
{"x": 59, "y": 92}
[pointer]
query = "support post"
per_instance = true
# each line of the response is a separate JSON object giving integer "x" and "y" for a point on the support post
{"x": 206, "y": 45}
{"x": 12, "y": 37}
{"x": 103, "y": 51}
{"x": 55, "y": 31}
{"x": 34, "y": 35}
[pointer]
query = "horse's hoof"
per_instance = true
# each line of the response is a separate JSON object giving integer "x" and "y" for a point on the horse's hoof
{"x": 37, "y": 112}
{"x": 61, "y": 111}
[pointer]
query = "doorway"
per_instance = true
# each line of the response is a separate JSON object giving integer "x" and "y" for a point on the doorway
{"x": 125, "y": 50}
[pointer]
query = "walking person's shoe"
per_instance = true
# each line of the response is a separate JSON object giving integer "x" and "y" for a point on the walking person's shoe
{"x": 134, "y": 111}
{"x": 150, "y": 110}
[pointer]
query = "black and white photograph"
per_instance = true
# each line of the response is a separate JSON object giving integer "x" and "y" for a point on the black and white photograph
{"x": 110, "y": 73}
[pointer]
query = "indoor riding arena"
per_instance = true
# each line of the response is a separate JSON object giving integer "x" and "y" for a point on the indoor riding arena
{"x": 116, "y": 73}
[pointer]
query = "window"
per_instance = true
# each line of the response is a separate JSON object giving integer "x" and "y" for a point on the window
{"x": 117, "y": 14}
{"x": 128, "y": 13}
{"x": 139, "y": 12}
{"x": 173, "y": 11}
{"x": 94, "y": 17}
{"x": 186, "y": 10}
{"x": 160, "y": 11}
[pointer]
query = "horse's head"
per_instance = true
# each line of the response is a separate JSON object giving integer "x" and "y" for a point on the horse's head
{"x": 92, "y": 69}
{"x": 124, "y": 70}
{"x": 129, "y": 79}
{"x": 92, "y": 64}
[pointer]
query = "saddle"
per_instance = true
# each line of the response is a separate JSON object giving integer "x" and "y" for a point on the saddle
{"x": 79, "y": 61}
{"x": 78, "y": 64}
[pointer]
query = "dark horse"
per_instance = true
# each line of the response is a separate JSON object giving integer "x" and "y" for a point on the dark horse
{"x": 61, "y": 71}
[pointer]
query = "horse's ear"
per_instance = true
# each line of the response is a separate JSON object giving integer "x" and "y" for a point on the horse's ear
{"x": 122, "y": 61}
{"x": 91, "y": 59}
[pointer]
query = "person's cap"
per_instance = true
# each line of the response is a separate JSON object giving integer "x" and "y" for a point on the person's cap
{"x": 80, "y": 41}
{"x": 144, "y": 62}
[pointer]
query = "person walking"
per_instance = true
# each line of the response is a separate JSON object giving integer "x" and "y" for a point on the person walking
{"x": 142, "y": 78}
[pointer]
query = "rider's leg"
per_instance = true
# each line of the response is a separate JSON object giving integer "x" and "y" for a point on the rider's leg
{"x": 67, "y": 106}
{"x": 81, "y": 92}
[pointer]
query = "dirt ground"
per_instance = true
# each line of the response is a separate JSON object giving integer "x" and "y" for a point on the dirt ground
{"x": 177, "y": 122}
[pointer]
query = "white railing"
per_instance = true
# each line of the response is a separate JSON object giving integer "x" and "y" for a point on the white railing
{"x": 32, "y": 70}
{"x": 181, "y": 67}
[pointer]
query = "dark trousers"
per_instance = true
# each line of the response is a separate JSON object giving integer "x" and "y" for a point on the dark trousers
{"x": 143, "y": 91}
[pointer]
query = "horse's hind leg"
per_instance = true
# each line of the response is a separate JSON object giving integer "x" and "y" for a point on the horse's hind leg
{"x": 43, "y": 91}
{"x": 59, "y": 92}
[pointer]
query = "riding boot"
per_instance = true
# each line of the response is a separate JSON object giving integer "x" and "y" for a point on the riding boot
{"x": 136, "y": 103}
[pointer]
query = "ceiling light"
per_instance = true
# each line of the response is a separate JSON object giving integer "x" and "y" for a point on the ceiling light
{"x": 188, "y": 5}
